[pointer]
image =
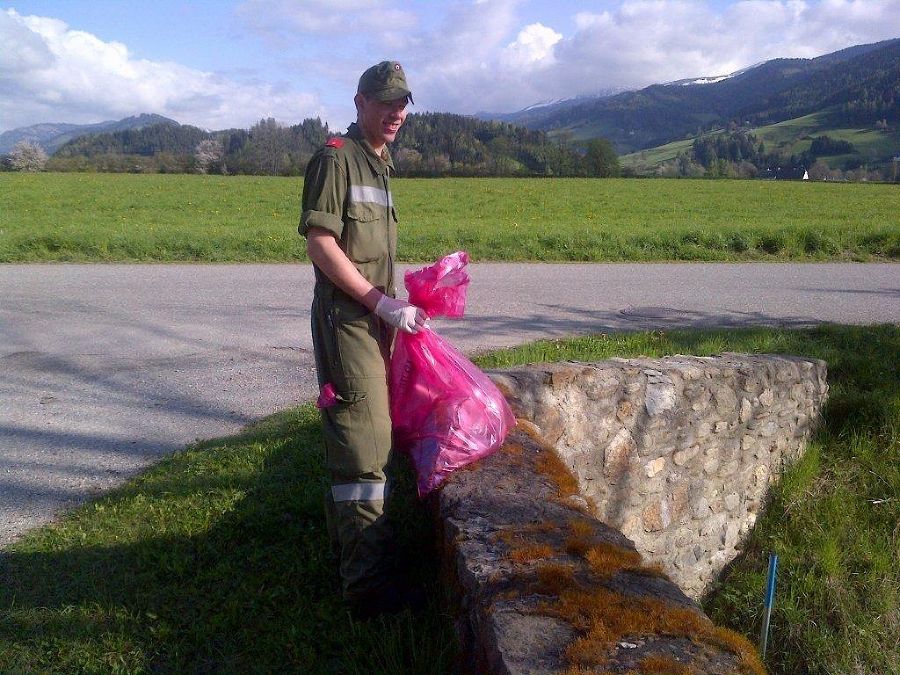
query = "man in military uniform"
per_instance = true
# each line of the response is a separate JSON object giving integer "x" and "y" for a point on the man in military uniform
{"x": 350, "y": 226}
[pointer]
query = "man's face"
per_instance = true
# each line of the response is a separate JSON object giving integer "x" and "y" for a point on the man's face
{"x": 380, "y": 120}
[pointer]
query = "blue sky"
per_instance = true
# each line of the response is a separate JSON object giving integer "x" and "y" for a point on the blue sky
{"x": 228, "y": 63}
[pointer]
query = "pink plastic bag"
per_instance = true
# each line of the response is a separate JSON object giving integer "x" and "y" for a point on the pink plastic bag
{"x": 441, "y": 288}
{"x": 446, "y": 413}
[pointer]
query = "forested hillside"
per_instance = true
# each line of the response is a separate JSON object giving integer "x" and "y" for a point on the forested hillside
{"x": 53, "y": 136}
{"x": 863, "y": 91}
{"x": 429, "y": 144}
{"x": 267, "y": 148}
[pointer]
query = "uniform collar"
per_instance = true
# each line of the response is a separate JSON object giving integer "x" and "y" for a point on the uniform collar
{"x": 379, "y": 164}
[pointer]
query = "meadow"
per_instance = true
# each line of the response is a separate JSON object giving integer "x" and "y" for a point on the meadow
{"x": 189, "y": 218}
{"x": 216, "y": 559}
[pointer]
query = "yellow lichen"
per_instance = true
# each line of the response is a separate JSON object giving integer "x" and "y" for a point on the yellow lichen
{"x": 606, "y": 559}
{"x": 513, "y": 448}
{"x": 549, "y": 464}
{"x": 664, "y": 665}
{"x": 531, "y": 552}
{"x": 553, "y": 579}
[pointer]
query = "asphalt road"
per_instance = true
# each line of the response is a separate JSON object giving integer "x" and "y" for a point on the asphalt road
{"x": 106, "y": 368}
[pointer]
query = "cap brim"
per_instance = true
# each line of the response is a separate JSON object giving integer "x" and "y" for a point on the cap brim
{"x": 391, "y": 94}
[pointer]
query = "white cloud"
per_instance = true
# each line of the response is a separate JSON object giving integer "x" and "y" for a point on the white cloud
{"x": 641, "y": 42}
{"x": 283, "y": 21}
{"x": 56, "y": 74}
{"x": 486, "y": 55}
{"x": 533, "y": 45}
{"x": 463, "y": 65}
{"x": 460, "y": 55}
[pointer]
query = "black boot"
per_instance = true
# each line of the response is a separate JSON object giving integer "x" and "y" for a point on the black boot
{"x": 391, "y": 598}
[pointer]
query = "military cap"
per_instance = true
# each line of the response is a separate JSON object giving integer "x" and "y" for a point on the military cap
{"x": 384, "y": 81}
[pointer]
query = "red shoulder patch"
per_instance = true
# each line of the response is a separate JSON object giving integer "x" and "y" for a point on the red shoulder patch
{"x": 335, "y": 142}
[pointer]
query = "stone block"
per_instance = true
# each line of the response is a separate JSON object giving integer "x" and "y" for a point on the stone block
{"x": 732, "y": 501}
{"x": 700, "y": 508}
{"x": 682, "y": 457}
{"x": 618, "y": 454}
{"x": 729, "y": 468}
{"x": 654, "y": 467}
{"x": 680, "y": 499}
{"x": 625, "y": 411}
{"x": 656, "y": 516}
{"x": 714, "y": 526}
{"x": 601, "y": 386}
{"x": 659, "y": 398}
{"x": 686, "y": 560}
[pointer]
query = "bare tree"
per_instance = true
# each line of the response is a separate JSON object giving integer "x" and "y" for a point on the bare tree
{"x": 209, "y": 153}
{"x": 270, "y": 141}
{"x": 27, "y": 156}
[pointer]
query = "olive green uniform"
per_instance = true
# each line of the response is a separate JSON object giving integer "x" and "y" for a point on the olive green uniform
{"x": 346, "y": 192}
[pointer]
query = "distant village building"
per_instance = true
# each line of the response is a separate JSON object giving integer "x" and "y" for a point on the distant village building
{"x": 786, "y": 173}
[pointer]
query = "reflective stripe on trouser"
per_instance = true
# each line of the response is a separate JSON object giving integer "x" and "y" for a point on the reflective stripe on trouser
{"x": 354, "y": 492}
{"x": 351, "y": 348}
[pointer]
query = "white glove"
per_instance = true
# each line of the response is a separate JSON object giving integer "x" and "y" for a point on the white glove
{"x": 400, "y": 314}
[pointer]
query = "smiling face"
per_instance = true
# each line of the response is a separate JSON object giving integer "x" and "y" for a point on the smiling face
{"x": 380, "y": 120}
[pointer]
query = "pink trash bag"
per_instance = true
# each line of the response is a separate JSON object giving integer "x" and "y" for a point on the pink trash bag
{"x": 446, "y": 413}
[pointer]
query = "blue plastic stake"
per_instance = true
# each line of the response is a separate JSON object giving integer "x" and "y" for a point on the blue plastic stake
{"x": 770, "y": 600}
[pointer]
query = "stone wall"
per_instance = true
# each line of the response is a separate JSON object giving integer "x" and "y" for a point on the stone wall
{"x": 677, "y": 453}
{"x": 542, "y": 586}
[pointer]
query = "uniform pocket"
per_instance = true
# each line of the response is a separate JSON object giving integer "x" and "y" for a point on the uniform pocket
{"x": 360, "y": 348}
{"x": 358, "y": 431}
{"x": 367, "y": 236}
{"x": 349, "y": 450}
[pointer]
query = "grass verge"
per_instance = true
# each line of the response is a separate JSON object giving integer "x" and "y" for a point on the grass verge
{"x": 216, "y": 560}
{"x": 164, "y": 218}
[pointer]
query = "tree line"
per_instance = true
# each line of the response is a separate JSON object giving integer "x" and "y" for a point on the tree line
{"x": 430, "y": 144}
{"x": 737, "y": 153}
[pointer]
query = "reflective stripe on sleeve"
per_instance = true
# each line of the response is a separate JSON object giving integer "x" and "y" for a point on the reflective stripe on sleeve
{"x": 358, "y": 492}
{"x": 372, "y": 195}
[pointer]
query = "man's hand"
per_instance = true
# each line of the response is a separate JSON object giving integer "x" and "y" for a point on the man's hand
{"x": 400, "y": 314}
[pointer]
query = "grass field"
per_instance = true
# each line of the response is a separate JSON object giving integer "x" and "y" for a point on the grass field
{"x": 216, "y": 560}
{"x": 645, "y": 162}
{"x": 115, "y": 217}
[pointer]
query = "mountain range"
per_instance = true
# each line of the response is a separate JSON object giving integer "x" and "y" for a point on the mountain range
{"x": 51, "y": 136}
{"x": 859, "y": 84}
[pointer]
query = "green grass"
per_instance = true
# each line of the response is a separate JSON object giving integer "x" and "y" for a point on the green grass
{"x": 644, "y": 161}
{"x": 157, "y": 218}
{"x": 216, "y": 560}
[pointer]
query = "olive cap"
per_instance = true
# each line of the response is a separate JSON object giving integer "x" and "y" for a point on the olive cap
{"x": 384, "y": 81}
